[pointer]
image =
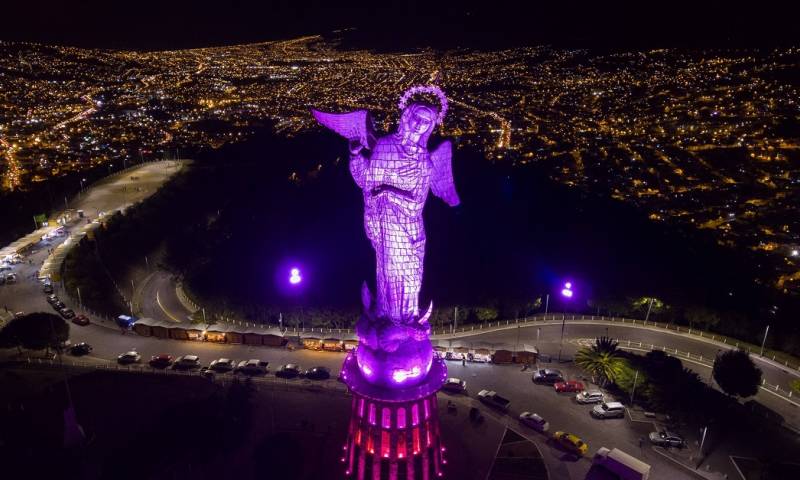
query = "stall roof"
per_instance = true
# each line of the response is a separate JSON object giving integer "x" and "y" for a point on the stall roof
{"x": 151, "y": 322}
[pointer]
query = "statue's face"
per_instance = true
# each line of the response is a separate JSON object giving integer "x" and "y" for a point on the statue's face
{"x": 421, "y": 120}
{"x": 417, "y": 124}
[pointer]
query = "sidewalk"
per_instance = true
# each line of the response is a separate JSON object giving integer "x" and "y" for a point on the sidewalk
{"x": 687, "y": 458}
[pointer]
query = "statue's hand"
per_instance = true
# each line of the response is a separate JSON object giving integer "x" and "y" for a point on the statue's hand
{"x": 355, "y": 146}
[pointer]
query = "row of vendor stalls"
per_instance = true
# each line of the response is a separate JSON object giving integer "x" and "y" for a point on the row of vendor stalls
{"x": 483, "y": 352}
{"x": 332, "y": 341}
{"x": 218, "y": 333}
{"x": 238, "y": 334}
{"x": 330, "y": 344}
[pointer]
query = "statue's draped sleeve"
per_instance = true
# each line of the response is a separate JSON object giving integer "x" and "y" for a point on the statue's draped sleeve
{"x": 358, "y": 168}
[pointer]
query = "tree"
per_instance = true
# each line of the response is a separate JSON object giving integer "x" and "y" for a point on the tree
{"x": 605, "y": 345}
{"x": 736, "y": 374}
{"x": 795, "y": 386}
{"x": 486, "y": 314}
{"x": 601, "y": 360}
{"x": 35, "y": 331}
{"x": 642, "y": 304}
{"x": 671, "y": 386}
{"x": 606, "y": 366}
{"x": 701, "y": 316}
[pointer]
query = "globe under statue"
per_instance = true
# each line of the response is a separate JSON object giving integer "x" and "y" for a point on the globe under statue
{"x": 394, "y": 374}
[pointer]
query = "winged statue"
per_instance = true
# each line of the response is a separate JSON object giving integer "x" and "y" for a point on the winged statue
{"x": 395, "y": 173}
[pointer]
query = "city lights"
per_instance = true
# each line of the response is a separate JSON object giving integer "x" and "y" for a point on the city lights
{"x": 649, "y": 125}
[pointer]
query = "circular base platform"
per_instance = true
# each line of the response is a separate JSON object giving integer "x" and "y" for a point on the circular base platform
{"x": 354, "y": 379}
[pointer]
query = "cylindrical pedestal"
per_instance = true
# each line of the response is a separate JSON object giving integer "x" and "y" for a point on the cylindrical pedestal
{"x": 393, "y": 434}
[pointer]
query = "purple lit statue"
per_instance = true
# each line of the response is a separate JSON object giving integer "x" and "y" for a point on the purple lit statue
{"x": 395, "y": 176}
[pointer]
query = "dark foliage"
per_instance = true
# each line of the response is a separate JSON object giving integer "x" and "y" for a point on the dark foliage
{"x": 35, "y": 331}
{"x": 736, "y": 374}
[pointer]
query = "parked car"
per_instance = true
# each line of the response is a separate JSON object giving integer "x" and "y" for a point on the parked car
{"x": 11, "y": 278}
{"x": 47, "y": 289}
{"x": 491, "y": 398}
{"x": 207, "y": 373}
{"x": 252, "y": 367}
{"x": 590, "y": 396}
{"x": 455, "y": 385}
{"x": 568, "y": 386}
{"x": 534, "y": 421}
{"x": 161, "y": 361}
{"x": 81, "y": 320}
{"x": 58, "y": 305}
{"x": 52, "y": 299}
{"x": 129, "y": 357}
{"x": 186, "y": 362}
{"x": 67, "y": 312}
{"x": 547, "y": 376}
{"x": 609, "y": 410}
{"x": 222, "y": 365}
{"x": 667, "y": 439}
{"x": 318, "y": 373}
{"x": 571, "y": 442}
{"x": 79, "y": 349}
{"x": 290, "y": 370}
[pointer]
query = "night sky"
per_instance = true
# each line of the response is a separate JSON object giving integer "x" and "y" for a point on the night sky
{"x": 394, "y": 25}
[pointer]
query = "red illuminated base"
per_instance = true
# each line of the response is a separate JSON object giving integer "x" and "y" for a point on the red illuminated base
{"x": 390, "y": 440}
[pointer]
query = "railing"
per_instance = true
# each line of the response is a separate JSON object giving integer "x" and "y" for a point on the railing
{"x": 473, "y": 329}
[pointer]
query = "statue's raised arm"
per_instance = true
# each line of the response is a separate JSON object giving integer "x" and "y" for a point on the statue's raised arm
{"x": 354, "y": 126}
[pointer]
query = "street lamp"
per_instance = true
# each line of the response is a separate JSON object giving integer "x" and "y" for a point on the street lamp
{"x": 567, "y": 294}
{"x": 294, "y": 276}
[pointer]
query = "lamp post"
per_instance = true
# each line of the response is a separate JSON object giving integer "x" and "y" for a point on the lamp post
{"x": 295, "y": 279}
{"x": 567, "y": 294}
{"x": 649, "y": 307}
{"x": 546, "y": 303}
{"x": 764, "y": 342}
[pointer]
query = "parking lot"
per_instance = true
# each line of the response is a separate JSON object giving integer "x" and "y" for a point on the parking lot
{"x": 560, "y": 410}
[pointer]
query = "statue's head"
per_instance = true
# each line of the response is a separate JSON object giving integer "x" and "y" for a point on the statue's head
{"x": 418, "y": 119}
{"x": 417, "y": 123}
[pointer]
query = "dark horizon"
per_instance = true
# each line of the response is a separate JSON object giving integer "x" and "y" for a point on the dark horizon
{"x": 151, "y": 25}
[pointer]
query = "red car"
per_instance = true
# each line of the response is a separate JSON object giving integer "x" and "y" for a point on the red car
{"x": 568, "y": 386}
{"x": 161, "y": 361}
{"x": 81, "y": 320}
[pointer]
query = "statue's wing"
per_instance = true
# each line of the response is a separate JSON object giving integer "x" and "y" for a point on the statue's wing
{"x": 351, "y": 125}
{"x": 442, "y": 175}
